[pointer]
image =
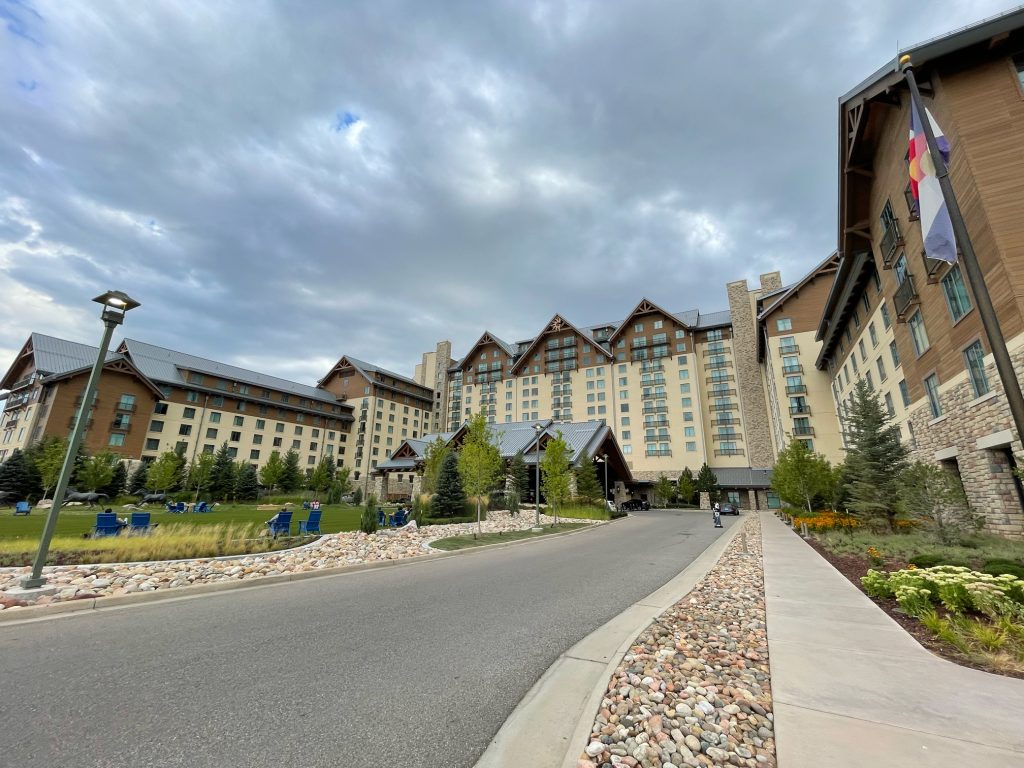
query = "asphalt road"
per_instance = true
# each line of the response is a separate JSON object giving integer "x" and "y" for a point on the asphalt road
{"x": 416, "y": 665}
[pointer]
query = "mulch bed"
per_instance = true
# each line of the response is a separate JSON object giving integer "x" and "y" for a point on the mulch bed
{"x": 855, "y": 566}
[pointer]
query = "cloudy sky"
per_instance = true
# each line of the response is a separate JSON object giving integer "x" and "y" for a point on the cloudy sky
{"x": 283, "y": 183}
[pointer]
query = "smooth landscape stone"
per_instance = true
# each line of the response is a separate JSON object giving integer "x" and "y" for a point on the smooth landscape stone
{"x": 694, "y": 689}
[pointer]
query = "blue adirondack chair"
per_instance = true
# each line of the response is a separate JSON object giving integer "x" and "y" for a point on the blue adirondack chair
{"x": 176, "y": 508}
{"x": 400, "y": 518}
{"x": 107, "y": 524}
{"x": 202, "y": 506}
{"x": 310, "y": 524}
{"x": 140, "y": 523}
{"x": 280, "y": 523}
{"x": 305, "y": 505}
{"x": 22, "y": 508}
{"x": 382, "y": 519}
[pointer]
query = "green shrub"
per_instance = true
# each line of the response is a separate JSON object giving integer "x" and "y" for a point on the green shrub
{"x": 930, "y": 560}
{"x": 999, "y": 567}
{"x": 357, "y": 496}
{"x": 368, "y": 520}
{"x": 876, "y": 584}
{"x": 449, "y": 520}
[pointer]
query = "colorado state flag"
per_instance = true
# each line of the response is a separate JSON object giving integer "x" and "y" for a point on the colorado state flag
{"x": 936, "y": 227}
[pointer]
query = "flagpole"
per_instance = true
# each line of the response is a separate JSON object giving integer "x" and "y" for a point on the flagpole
{"x": 975, "y": 277}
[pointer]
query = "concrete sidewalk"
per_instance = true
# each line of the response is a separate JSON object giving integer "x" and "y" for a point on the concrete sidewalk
{"x": 852, "y": 688}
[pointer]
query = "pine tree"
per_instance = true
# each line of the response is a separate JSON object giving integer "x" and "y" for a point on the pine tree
{"x": 520, "y": 475}
{"x": 707, "y": 482}
{"x": 449, "y": 499}
{"x": 875, "y": 456}
{"x": 686, "y": 486}
{"x": 115, "y": 487}
{"x": 138, "y": 482}
{"x": 291, "y": 478}
{"x": 588, "y": 487}
{"x": 247, "y": 484}
{"x": 222, "y": 475}
{"x": 14, "y": 476}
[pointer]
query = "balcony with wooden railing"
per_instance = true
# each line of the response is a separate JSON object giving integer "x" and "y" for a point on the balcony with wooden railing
{"x": 905, "y": 296}
{"x": 651, "y": 366}
{"x": 803, "y": 431}
{"x": 653, "y": 395}
{"x": 121, "y": 426}
{"x": 658, "y": 452}
{"x": 717, "y": 365}
{"x": 796, "y": 389}
{"x": 729, "y": 452}
{"x": 656, "y": 438}
{"x": 790, "y": 370}
{"x": 655, "y": 409}
{"x": 722, "y": 393}
{"x": 719, "y": 379}
{"x": 725, "y": 420}
{"x": 796, "y": 410}
{"x": 715, "y": 350}
{"x": 789, "y": 349}
{"x": 728, "y": 436}
{"x": 932, "y": 267}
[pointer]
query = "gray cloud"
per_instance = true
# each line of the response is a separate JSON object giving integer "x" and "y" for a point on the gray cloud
{"x": 500, "y": 162}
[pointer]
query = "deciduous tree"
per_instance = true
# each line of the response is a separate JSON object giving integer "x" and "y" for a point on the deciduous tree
{"x": 433, "y": 459}
{"x": 936, "y": 497}
{"x": 272, "y": 471}
{"x": 97, "y": 471}
{"x": 663, "y": 490}
{"x": 162, "y": 473}
{"x": 556, "y": 472}
{"x": 801, "y": 476}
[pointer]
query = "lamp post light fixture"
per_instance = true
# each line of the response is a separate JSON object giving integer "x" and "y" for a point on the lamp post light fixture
{"x": 537, "y": 428}
{"x": 603, "y": 459}
{"x": 116, "y": 304}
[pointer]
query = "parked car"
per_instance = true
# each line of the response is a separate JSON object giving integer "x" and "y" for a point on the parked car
{"x": 633, "y": 505}
{"x": 730, "y": 509}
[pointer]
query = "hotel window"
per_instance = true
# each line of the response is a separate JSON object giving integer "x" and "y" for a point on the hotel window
{"x": 880, "y": 364}
{"x": 784, "y": 324}
{"x": 865, "y": 301}
{"x": 957, "y": 300}
{"x": 869, "y": 380}
{"x": 687, "y": 402}
{"x": 863, "y": 351}
{"x": 277, "y": 442}
{"x": 152, "y": 444}
{"x": 192, "y": 397}
{"x": 1018, "y": 63}
{"x": 974, "y": 356}
{"x": 238, "y": 421}
{"x": 684, "y": 388}
{"x": 254, "y": 455}
{"x": 185, "y": 429}
{"x": 188, "y": 413}
{"x": 195, "y": 378}
{"x": 232, "y": 452}
{"x": 680, "y": 334}
{"x": 856, "y": 319}
{"x": 689, "y": 432}
{"x": 258, "y": 440}
{"x": 658, "y": 324}
{"x": 877, "y": 279}
{"x": 239, "y": 405}
{"x": 638, "y": 328}
{"x": 207, "y": 448}
{"x": 279, "y": 427}
{"x": 624, "y": 407}
{"x": 211, "y": 433}
{"x": 236, "y": 436}
{"x": 156, "y": 426}
{"x": 160, "y": 408}
{"x": 218, "y": 401}
{"x": 894, "y": 354}
{"x": 296, "y": 444}
{"x": 889, "y": 407}
{"x": 873, "y": 334}
{"x": 691, "y": 446}
{"x": 918, "y": 333}
{"x": 904, "y": 393}
{"x": 687, "y": 415}
{"x": 116, "y": 439}
{"x": 886, "y": 322}
{"x": 931, "y": 389}
{"x": 260, "y": 423}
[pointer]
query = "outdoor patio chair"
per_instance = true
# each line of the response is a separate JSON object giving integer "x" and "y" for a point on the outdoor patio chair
{"x": 400, "y": 518}
{"x": 107, "y": 524}
{"x": 201, "y": 507}
{"x": 310, "y": 524}
{"x": 140, "y": 523}
{"x": 176, "y": 508}
{"x": 280, "y": 523}
{"x": 22, "y": 508}
{"x": 305, "y": 505}
{"x": 382, "y": 519}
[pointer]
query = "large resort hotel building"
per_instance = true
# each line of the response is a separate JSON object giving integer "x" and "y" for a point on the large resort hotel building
{"x": 666, "y": 389}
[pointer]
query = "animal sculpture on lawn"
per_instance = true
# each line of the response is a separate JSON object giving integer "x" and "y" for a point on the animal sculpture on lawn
{"x": 152, "y": 498}
{"x": 87, "y": 497}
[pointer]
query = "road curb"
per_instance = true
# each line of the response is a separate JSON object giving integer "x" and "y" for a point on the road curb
{"x": 11, "y": 616}
{"x": 549, "y": 727}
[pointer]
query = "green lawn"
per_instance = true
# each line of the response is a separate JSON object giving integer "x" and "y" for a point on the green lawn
{"x": 75, "y": 521}
{"x": 464, "y": 542}
{"x": 974, "y": 549}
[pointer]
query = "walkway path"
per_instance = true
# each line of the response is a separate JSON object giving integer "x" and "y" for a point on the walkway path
{"x": 852, "y": 689}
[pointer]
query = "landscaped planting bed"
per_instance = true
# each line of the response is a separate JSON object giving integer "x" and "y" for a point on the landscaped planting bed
{"x": 950, "y": 623}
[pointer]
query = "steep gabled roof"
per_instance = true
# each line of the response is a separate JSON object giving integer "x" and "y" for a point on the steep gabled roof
{"x": 51, "y": 355}
{"x": 644, "y": 307}
{"x": 557, "y": 324}
{"x": 829, "y": 266}
{"x": 165, "y": 365}
{"x": 367, "y": 371}
{"x": 114, "y": 362}
{"x": 487, "y": 338}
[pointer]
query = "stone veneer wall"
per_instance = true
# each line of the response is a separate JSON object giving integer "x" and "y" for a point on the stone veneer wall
{"x": 440, "y": 411}
{"x": 755, "y": 419}
{"x": 987, "y": 478}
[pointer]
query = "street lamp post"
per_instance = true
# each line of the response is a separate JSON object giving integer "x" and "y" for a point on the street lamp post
{"x": 115, "y": 305}
{"x": 537, "y": 428}
{"x": 604, "y": 460}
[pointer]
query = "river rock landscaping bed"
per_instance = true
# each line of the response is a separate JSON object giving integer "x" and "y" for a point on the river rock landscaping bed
{"x": 77, "y": 582}
{"x": 694, "y": 689}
